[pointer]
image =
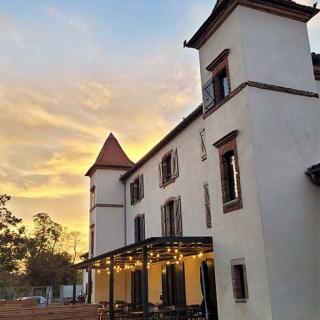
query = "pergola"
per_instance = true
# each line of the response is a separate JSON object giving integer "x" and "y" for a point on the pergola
{"x": 143, "y": 254}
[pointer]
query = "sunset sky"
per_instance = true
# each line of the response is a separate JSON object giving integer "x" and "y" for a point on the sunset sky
{"x": 71, "y": 72}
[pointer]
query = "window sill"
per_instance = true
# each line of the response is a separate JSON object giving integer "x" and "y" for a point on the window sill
{"x": 242, "y": 300}
{"x": 203, "y": 157}
{"x": 232, "y": 205}
{"x": 136, "y": 201}
{"x": 164, "y": 184}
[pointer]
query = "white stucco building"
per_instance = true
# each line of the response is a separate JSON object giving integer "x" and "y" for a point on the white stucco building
{"x": 227, "y": 188}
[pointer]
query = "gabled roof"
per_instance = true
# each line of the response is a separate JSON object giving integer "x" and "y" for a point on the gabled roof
{"x": 223, "y": 8}
{"x": 111, "y": 156}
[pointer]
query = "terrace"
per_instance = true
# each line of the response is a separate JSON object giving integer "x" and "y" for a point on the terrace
{"x": 150, "y": 270}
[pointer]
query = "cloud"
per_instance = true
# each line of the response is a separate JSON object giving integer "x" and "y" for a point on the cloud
{"x": 10, "y": 31}
{"x": 73, "y": 22}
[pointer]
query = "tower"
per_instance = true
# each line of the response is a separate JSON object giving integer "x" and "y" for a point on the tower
{"x": 258, "y": 80}
{"x": 107, "y": 201}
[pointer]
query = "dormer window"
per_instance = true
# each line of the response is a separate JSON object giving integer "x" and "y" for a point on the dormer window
{"x": 137, "y": 189}
{"x": 168, "y": 168}
{"x": 217, "y": 88}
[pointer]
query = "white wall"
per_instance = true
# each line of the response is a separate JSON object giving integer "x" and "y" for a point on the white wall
{"x": 288, "y": 200}
{"x": 228, "y": 36}
{"x": 277, "y": 50}
{"x": 237, "y": 234}
{"x": 189, "y": 185}
{"x": 108, "y": 219}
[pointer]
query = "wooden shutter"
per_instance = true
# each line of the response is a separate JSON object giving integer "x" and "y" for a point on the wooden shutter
{"x": 136, "y": 229}
{"x": 131, "y": 192}
{"x": 141, "y": 187}
{"x": 203, "y": 145}
{"x": 174, "y": 164}
{"x": 164, "y": 285}
{"x": 160, "y": 174}
{"x": 207, "y": 205}
{"x": 208, "y": 95}
{"x": 142, "y": 227}
{"x": 177, "y": 217}
{"x": 133, "y": 296}
{"x": 180, "y": 285}
{"x": 163, "y": 221}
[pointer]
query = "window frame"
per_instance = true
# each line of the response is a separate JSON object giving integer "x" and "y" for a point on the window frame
{"x": 227, "y": 144}
{"x": 239, "y": 282}
{"x": 137, "y": 189}
{"x": 174, "y": 168}
{"x": 216, "y": 67}
{"x": 93, "y": 197}
{"x": 139, "y": 221}
{"x": 175, "y": 225}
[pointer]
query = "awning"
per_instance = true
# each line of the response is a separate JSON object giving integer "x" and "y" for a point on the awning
{"x": 160, "y": 249}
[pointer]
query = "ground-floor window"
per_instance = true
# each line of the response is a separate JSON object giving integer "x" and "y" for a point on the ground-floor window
{"x": 136, "y": 298}
{"x": 239, "y": 280}
{"x": 173, "y": 285}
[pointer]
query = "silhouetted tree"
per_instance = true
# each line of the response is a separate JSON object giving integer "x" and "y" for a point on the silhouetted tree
{"x": 13, "y": 242}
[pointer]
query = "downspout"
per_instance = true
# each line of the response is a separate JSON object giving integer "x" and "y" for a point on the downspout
{"x": 125, "y": 212}
{"x": 125, "y": 233}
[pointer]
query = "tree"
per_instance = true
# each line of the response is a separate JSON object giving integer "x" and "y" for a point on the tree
{"x": 12, "y": 238}
{"x": 49, "y": 259}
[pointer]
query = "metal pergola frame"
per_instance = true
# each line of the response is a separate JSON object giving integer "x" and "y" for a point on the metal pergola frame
{"x": 142, "y": 255}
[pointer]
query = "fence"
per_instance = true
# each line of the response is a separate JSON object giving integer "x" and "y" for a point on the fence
{"x": 13, "y": 293}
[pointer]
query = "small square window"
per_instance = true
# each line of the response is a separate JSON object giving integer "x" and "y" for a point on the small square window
{"x": 239, "y": 281}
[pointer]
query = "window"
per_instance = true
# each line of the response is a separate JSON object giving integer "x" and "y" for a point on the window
{"x": 203, "y": 144}
{"x": 92, "y": 197}
{"x": 171, "y": 218}
{"x": 217, "y": 87}
{"x": 239, "y": 280}
{"x": 92, "y": 240}
{"x": 139, "y": 228}
{"x": 207, "y": 205}
{"x": 223, "y": 83}
{"x": 136, "y": 298}
{"x": 230, "y": 173}
{"x": 168, "y": 168}
{"x": 173, "y": 285}
{"x": 137, "y": 189}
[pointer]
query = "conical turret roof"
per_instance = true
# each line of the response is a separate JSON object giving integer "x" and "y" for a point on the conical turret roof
{"x": 111, "y": 156}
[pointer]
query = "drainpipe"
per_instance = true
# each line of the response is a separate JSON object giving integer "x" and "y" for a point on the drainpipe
{"x": 125, "y": 213}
